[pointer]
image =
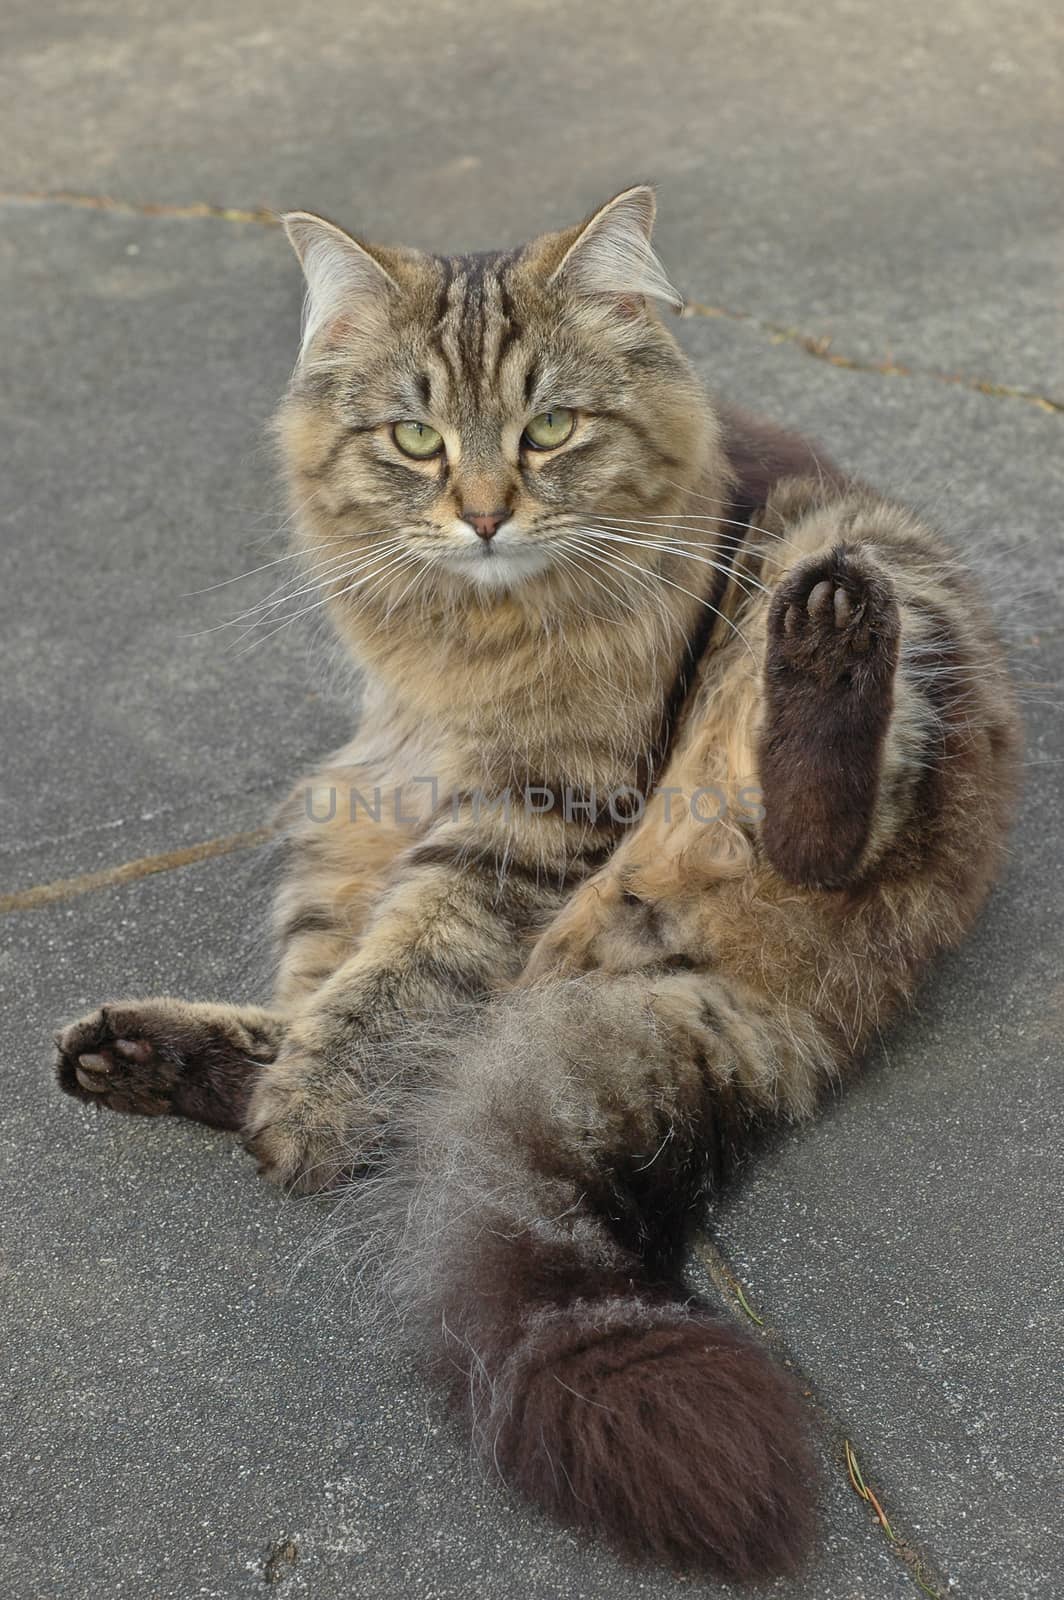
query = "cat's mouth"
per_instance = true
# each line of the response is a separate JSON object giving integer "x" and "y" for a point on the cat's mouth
{"x": 497, "y": 563}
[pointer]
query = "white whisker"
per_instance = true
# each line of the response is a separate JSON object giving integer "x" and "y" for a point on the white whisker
{"x": 568, "y": 552}
{"x": 686, "y": 524}
{"x": 669, "y": 548}
{"x": 283, "y": 591}
{"x": 645, "y": 574}
{"x": 356, "y": 561}
{"x": 366, "y": 577}
{"x": 190, "y": 594}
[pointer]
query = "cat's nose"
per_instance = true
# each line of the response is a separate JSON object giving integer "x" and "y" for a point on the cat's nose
{"x": 485, "y": 524}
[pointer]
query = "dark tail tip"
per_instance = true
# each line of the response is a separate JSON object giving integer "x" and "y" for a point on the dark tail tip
{"x": 666, "y": 1431}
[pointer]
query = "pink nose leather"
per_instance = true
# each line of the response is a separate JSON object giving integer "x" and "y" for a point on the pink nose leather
{"x": 485, "y": 523}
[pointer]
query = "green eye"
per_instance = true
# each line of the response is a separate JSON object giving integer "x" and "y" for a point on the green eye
{"x": 417, "y": 439}
{"x": 550, "y": 428}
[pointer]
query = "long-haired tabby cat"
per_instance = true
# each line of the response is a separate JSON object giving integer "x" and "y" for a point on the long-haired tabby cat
{"x": 681, "y": 753}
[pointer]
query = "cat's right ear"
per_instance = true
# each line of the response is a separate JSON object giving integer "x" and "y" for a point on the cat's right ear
{"x": 346, "y": 285}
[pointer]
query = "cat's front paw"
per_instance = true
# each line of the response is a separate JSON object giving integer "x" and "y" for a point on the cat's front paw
{"x": 309, "y": 1125}
{"x": 571, "y": 944}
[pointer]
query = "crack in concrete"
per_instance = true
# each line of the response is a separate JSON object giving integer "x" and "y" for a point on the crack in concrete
{"x": 816, "y": 345}
{"x": 928, "y": 1578}
{"x": 134, "y": 208}
{"x": 819, "y": 347}
{"x": 49, "y": 841}
{"x": 45, "y": 894}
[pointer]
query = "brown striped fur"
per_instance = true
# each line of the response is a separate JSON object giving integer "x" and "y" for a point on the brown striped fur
{"x": 549, "y": 1026}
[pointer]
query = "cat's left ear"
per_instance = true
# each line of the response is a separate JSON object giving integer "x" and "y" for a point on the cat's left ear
{"x": 612, "y": 254}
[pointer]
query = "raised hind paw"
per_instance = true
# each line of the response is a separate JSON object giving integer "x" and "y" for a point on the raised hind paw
{"x": 168, "y": 1057}
{"x": 832, "y": 651}
{"x": 834, "y": 620}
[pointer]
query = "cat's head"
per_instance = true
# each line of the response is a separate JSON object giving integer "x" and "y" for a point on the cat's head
{"x": 469, "y": 421}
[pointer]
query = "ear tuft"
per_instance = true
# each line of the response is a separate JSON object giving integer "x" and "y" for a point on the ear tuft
{"x": 612, "y": 253}
{"x": 342, "y": 275}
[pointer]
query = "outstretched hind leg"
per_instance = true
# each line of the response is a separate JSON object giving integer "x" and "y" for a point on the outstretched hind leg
{"x": 168, "y": 1057}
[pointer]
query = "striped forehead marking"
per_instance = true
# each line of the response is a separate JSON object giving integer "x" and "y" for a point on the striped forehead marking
{"x": 474, "y": 322}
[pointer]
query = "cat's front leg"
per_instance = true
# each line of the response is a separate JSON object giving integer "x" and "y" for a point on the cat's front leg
{"x": 446, "y": 935}
{"x": 320, "y": 1111}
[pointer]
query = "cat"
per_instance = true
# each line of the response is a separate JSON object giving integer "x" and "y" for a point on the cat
{"x": 681, "y": 754}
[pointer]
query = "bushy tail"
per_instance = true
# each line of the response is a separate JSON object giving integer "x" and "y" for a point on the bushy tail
{"x": 542, "y": 1183}
{"x": 661, "y": 1428}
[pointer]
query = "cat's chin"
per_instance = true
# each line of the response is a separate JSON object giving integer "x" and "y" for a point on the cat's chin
{"x": 497, "y": 570}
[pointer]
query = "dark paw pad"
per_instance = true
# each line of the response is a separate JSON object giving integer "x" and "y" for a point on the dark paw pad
{"x": 152, "y": 1057}
{"x": 832, "y": 618}
{"x": 102, "y": 1059}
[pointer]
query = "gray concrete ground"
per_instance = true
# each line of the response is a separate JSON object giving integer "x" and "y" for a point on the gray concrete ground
{"x": 191, "y": 1387}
